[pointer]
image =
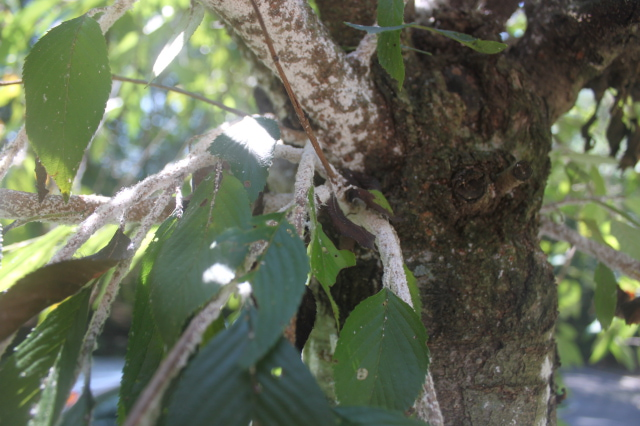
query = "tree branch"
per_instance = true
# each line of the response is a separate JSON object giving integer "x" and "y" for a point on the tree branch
{"x": 336, "y": 96}
{"x": 610, "y": 257}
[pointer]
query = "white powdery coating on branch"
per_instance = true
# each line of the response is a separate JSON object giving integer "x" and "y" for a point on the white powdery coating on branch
{"x": 304, "y": 181}
{"x": 388, "y": 244}
{"x": 131, "y": 196}
{"x": 329, "y": 89}
{"x": 11, "y": 150}
{"x": 113, "y": 13}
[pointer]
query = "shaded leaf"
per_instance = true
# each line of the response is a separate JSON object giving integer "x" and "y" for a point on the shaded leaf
{"x": 80, "y": 413}
{"x": 347, "y": 227}
{"x": 46, "y": 359}
{"x": 628, "y": 237}
{"x": 326, "y": 260}
{"x": 41, "y": 180}
{"x": 67, "y": 82}
{"x": 616, "y": 131}
{"x": 390, "y": 55}
{"x": 390, "y": 13}
{"x": 373, "y": 416}
{"x": 248, "y": 146}
{"x": 413, "y": 290}
{"x": 176, "y": 282}
{"x": 145, "y": 347}
{"x": 381, "y": 356}
{"x": 278, "y": 284}
{"x": 278, "y": 390}
{"x": 606, "y": 295}
{"x": 54, "y": 283}
{"x": 373, "y": 199}
{"x": 632, "y": 153}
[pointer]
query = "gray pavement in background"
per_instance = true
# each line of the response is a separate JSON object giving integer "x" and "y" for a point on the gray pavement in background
{"x": 600, "y": 398}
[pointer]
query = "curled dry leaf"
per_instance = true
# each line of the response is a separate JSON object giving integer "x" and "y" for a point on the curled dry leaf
{"x": 347, "y": 227}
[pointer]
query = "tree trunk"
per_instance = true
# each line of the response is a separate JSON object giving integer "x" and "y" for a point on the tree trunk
{"x": 462, "y": 154}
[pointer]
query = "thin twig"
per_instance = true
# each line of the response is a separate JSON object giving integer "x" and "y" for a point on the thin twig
{"x": 163, "y": 87}
{"x": 294, "y": 100}
{"x": 610, "y": 257}
{"x": 579, "y": 201}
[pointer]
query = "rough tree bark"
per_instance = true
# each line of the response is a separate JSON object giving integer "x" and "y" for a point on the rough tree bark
{"x": 443, "y": 148}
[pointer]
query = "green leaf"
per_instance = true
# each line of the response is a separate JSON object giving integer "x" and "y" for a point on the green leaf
{"x": 372, "y": 416}
{"x": 278, "y": 284}
{"x": 381, "y": 356}
{"x": 248, "y": 146}
{"x": 176, "y": 282}
{"x": 145, "y": 347}
{"x": 413, "y": 290}
{"x": 628, "y": 237}
{"x": 390, "y": 55}
{"x": 278, "y": 391}
{"x": 67, "y": 82}
{"x": 80, "y": 413}
{"x": 326, "y": 260}
{"x": 23, "y": 258}
{"x": 390, "y": 12}
{"x": 380, "y": 200}
{"x": 55, "y": 282}
{"x": 45, "y": 360}
{"x": 482, "y": 46}
{"x": 605, "y": 297}
{"x": 183, "y": 32}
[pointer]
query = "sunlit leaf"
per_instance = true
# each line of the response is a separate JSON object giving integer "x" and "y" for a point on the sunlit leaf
{"x": 381, "y": 356}
{"x": 185, "y": 29}
{"x": 54, "y": 283}
{"x": 23, "y": 258}
{"x": 605, "y": 296}
{"x": 278, "y": 390}
{"x": 248, "y": 146}
{"x": 67, "y": 81}
{"x": 46, "y": 359}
